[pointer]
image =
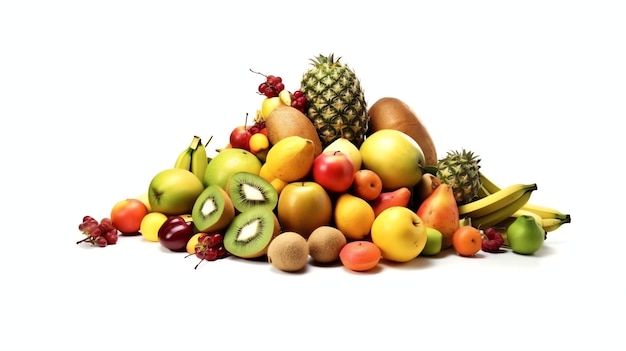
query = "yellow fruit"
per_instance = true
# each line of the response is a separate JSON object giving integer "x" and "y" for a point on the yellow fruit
{"x": 353, "y": 216}
{"x": 150, "y": 224}
{"x": 269, "y": 104}
{"x": 258, "y": 142}
{"x": 191, "y": 244}
{"x": 291, "y": 158}
{"x": 399, "y": 233}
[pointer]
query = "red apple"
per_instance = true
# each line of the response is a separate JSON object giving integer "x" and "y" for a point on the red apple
{"x": 333, "y": 170}
{"x": 175, "y": 232}
{"x": 366, "y": 184}
{"x": 240, "y": 138}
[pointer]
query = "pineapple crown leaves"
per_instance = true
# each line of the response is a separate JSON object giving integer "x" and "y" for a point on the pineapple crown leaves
{"x": 325, "y": 60}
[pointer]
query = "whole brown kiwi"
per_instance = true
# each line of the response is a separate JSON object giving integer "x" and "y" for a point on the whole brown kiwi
{"x": 288, "y": 252}
{"x": 325, "y": 243}
{"x": 286, "y": 121}
{"x": 393, "y": 113}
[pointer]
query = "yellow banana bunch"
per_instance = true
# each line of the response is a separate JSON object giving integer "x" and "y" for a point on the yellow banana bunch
{"x": 550, "y": 219}
{"x": 193, "y": 158}
{"x": 496, "y": 207}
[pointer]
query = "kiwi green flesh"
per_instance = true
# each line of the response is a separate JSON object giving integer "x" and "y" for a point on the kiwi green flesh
{"x": 250, "y": 233}
{"x": 249, "y": 190}
{"x": 208, "y": 208}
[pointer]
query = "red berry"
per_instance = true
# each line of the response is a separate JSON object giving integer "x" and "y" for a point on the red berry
{"x": 492, "y": 241}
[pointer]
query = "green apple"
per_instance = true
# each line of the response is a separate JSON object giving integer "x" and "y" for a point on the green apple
{"x": 399, "y": 233}
{"x": 304, "y": 206}
{"x": 228, "y": 162}
{"x": 347, "y": 147}
{"x": 525, "y": 236}
{"x": 174, "y": 191}
{"x": 394, "y": 156}
{"x": 434, "y": 239}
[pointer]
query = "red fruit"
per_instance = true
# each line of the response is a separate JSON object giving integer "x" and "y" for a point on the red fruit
{"x": 240, "y": 138}
{"x": 492, "y": 240}
{"x": 333, "y": 171}
{"x": 398, "y": 197}
{"x": 440, "y": 211}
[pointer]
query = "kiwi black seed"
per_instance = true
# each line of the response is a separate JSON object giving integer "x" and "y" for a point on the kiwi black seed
{"x": 288, "y": 252}
{"x": 213, "y": 210}
{"x": 325, "y": 243}
{"x": 249, "y": 190}
{"x": 250, "y": 232}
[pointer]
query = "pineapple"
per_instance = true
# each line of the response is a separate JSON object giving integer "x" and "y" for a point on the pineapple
{"x": 336, "y": 104}
{"x": 460, "y": 171}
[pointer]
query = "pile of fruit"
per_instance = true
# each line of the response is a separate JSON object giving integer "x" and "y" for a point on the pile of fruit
{"x": 318, "y": 176}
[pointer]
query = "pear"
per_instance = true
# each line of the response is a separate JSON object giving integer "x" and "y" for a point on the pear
{"x": 525, "y": 236}
{"x": 440, "y": 211}
{"x": 348, "y": 148}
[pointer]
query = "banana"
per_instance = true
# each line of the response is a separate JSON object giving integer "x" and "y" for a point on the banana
{"x": 523, "y": 212}
{"x": 545, "y": 212}
{"x": 489, "y": 186}
{"x": 511, "y": 209}
{"x": 552, "y": 224}
{"x": 183, "y": 160}
{"x": 496, "y": 201}
{"x": 199, "y": 160}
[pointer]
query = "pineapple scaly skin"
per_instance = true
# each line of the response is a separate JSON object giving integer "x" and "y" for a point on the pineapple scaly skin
{"x": 336, "y": 103}
{"x": 460, "y": 170}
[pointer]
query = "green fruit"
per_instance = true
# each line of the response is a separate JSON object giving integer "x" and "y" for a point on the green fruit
{"x": 248, "y": 190}
{"x": 213, "y": 210}
{"x": 228, "y": 162}
{"x": 434, "y": 240}
{"x": 174, "y": 191}
{"x": 525, "y": 236}
{"x": 394, "y": 156}
{"x": 250, "y": 232}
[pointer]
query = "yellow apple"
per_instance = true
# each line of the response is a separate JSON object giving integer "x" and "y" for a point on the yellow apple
{"x": 399, "y": 233}
{"x": 348, "y": 148}
{"x": 304, "y": 206}
{"x": 394, "y": 156}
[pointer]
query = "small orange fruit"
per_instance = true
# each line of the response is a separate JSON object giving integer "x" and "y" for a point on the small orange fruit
{"x": 360, "y": 255}
{"x": 467, "y": 241}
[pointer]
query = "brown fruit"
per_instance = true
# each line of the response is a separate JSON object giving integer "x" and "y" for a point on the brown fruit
{"x": 393, "y": 113}
{"x": 288, "y": 252}
{"x": 325, "y": 244}
{"x": 286, "y": 121}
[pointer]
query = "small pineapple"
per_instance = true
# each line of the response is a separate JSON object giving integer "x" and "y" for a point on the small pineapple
{"x": 336, "y": 103}
{"x": 460, "y": 171}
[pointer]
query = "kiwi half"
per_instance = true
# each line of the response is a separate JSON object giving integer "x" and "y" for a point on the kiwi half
{"x": 248, "y": 190}
{"x": 250, "y": 232}
{"x": 213, "y": 210}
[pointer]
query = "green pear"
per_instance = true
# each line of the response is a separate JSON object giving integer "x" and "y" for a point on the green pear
{"x": 434, "y": 240}
{"x": 525, "y": 236}
{"x": 174, "y": 191}
{"x": 228, "y": 162}
{"x": 347, "y": 147}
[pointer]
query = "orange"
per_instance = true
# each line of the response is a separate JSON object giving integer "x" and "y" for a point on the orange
{"x": 467, "y": 241}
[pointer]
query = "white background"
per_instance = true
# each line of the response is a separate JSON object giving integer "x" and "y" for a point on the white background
{"x": 98, "y": 96}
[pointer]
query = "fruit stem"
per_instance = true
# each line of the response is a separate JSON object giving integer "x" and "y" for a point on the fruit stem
{"x": 207, "y": 143}
{"x": 258, "y": 73}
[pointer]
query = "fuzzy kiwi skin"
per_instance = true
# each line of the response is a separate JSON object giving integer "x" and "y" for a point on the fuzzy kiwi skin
{"x": 393, "y": 113}
{"x": 288, "y": 252}
{"x": 286, "y": 121}
{"x": 325, "y": 243}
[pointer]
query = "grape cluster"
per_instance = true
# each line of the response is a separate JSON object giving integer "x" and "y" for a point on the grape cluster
{"x": 98, "y": 234}
{"x": 272, "y": 86}
{"x": 210, "y": 247}
{"x": 492, "y": 240}
{"x": 298, "y": 100}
